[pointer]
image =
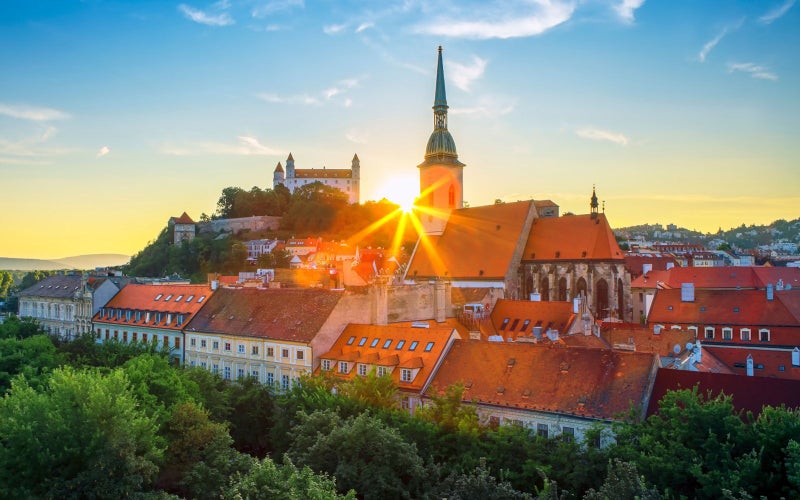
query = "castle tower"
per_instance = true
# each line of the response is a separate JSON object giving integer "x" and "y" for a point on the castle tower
{"x": 277, "y": 176}
{"x": 441, "y": 177}
{"x": 290, "y": 167}
{"x": 355, "y": 168}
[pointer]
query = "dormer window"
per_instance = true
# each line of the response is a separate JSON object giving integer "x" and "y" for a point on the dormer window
{"x": 406, "y": 375}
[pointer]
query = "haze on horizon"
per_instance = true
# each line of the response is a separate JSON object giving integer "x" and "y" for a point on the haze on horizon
{"x": 116, "y": 115}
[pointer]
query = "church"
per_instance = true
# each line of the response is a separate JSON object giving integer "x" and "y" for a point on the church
{"x": 346, "y": 180}
{"x": 522, "y": 250}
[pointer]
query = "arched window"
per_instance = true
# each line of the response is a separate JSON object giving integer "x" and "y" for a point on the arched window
{"x": 580, "y": 288}
{"x": 562, "y": 289}
{"x": 601, "y": 299}
{"x": 544, "y": 289}
{"x": 620, "y": 300}
{"x": 451, "y": 196}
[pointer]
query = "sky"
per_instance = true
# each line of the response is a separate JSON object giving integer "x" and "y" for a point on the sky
{"x": 115, "y": 116}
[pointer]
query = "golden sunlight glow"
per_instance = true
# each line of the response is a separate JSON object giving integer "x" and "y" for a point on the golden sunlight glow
{"x": 401, "y": 190}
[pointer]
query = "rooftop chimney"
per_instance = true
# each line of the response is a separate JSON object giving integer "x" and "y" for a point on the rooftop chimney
{"x": 749, "y": 365}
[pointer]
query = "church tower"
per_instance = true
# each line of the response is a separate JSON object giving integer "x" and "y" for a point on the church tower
{"x": 441, "y": 176}
{"x": 593, "y": 204}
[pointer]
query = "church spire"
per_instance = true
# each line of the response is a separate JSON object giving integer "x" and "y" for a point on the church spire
{"x": 593, "y": 202}
{"x": 440, "y": 100}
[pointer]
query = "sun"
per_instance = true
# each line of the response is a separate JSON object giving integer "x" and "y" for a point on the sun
{"x": 401, "y": 190}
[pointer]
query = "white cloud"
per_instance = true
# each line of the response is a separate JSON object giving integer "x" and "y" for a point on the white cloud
{"x": 364, "y": 26}
{"x": 247, "y": 146}
{"x": 626, "y": 8}
{"x": 463, "y": 75}
{"x": 198, "y": 16}
{"x": 596, "y": 134}
{"x": 333, "y": 29}
{"x": 754, "y": 70}
{"x": 103, "y": 151}
{"x": 776, "y": 12}
{"x": 357, "y": 136}
{"x": 32, "y": 113}
{"x": 489, "y": 107}
{"x": 710, "y": 45}
{"x": 340, "y": 88}
{"x": 507, "y": 20}
{"x": 267, "y": 8}
{"x": 293, "y": 99}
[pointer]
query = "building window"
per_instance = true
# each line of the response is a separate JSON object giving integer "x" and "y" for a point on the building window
{"x": 429, "y": 346}
{"x": 406, "y": 375}
{"x": 214, "y": 368}
{"x": 192, "y": 341}
{"x": 326, "y": 365}
{"x": 300, "y": 355}
{"x": 270, "y": 352}
{"x": 727, "y": 334}
{"x": 254, "y": 374}
{"x": 362, "y": 341}
{"x": 709, "y": 333}
{"x": 165, "y": 341}
{"x": 763, "y": 335}
{"x": 203, "y": 365}
{"x": 351, "y": 340}
{"x": 226, "y": 373}
{"x": 240, "y": 348}
{"x": 270, "y": 378}
{"x": 362, "y": 369}
{"x": 227, "y": 346}
{"x": 203, "y": 343}
{"x": 744, "y": 334}
{"x": 343, "y": 367}
{"x": 135, "y": 336}
{"x": 381, "y": 371}
{"x": 144, "y": 337}
{"x": 240, "y": 373}
{"x": 374, "y": 342}
{"x": 285, "y": 353}
{"x": 400, "y": 344}
{"x": 386, "y": 344}
{"x": 541, "y": 430}
{"x": 285, "y": 382}
{"x": 215, "y": 345}
{"x": 177, "y": 342}
{"x": 413, "y": 345}
{"x": 254, "y": 350}
{"x": 568, "y": 431}
{"x": 124, "y": 336}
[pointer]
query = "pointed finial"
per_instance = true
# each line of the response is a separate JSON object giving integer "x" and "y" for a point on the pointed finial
{"x": 440, "y": 99}
{"x": 290, "y": 157}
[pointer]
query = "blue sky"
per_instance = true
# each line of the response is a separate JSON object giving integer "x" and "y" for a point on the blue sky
{"x": 115, "y": 116}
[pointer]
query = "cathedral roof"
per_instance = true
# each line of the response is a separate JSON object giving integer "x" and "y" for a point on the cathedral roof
{"x": 441, "y": 147}
{"x": 279, "y": 168}
{"x": 572, "y": 238}
{"x": 477, "y": 243}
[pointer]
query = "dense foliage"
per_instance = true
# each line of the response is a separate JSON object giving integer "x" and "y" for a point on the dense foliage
{"x": 108, "y": 420}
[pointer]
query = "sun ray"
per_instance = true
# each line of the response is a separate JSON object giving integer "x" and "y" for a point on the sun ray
{"x": 374, "y": 226}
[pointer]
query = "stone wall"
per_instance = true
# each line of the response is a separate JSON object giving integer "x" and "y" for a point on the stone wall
{"x": 254, "y": 223}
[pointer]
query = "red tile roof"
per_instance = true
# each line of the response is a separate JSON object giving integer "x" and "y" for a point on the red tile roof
{"x": 749, "y": 393}
{"x": 390, "y": 345}
{"x": 521, "y": 316}
{"x": 635, "y": 262}
{"x": 722, "y": 277}
{"x": 572, "y": 237}
{"x": 318, "y": 173}
{"x": 593, "y": 383}
{"x": 766, "y": 362}
{"x": 183, "y": 219}
{"x": 726, "y": 307}
{"x": 645, "y": 340}
{"x": 173, "y": 299}
{"x": 477, "y": 243}
{"x": 293, "y": 314}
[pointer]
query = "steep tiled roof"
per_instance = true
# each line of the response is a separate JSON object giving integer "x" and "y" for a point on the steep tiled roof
{"x": 645, "y": 340}
{"x": 56, "y": 286}
{"x": 282, "y": 314}
{"x": 174, "y": 299}
{"x": 722, "y": 277}
{"x": 317, "y": 173}
{"x": 184, "y": 219}
{"x": 517, "y": 318}
{"x": 572, "y": 237}
{"x": 766, "y": 362}
{"x": 594, "y": 383}
{"x": 730, "y": 307}
{"x": 390, "y": 345}
{"x": 749, "y": 393}
{"x": 477, "y": 243}
{"x": 654, "y": 279}
{"x": 634, "y": 262}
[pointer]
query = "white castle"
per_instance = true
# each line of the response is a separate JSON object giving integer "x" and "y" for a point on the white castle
{"x": 346, "y": 180}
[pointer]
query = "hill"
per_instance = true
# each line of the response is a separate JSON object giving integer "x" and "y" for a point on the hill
{"x": 75, "y": 262}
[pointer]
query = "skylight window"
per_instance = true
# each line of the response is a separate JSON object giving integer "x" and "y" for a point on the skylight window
{"x": 168, "y": 297}
{"x": 201, "y": 299}
{"x": 374, "y": 342}
{"x": 400, "y": 344}
{"x": 189, "y": 298}
{"x": 178, "y": 298}
{"x": 158, "y": 297}
{"x": 362, "y": 341}
{"x": 387, "y": 343}
{"x": 351, "y": 340}
{"x": 429, "y": 346}
{"x": 413, "y": 345}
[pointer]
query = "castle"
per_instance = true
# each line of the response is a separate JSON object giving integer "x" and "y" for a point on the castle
{"x": 345, "y": 180}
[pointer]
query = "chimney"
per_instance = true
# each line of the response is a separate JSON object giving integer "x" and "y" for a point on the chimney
{"x": 749, "y": 365}
{"x": 770, "y": 292}
{"x": 214, "y": 284}
{"x": 552, "y": 335}
{"x": 698, "y": 352}
{"x": 379, "y": 301}
{"x": 796, "y": 356}
{"x": 646, "y": 268}
{"x": 687, "y": 292}
{"x": 439, "y": 301}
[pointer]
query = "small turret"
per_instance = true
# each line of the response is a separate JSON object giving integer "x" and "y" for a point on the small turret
{"x": 355, "y": 166}
{"x": 278, "y": 176}
{"x": 593, "y": 204}
{"x": 290, "y": 167}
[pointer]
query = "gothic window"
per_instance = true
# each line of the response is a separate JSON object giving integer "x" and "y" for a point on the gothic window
{"x": 580, "y": 288}
{"x": 620, "y": 299}
{"x": 544, "y": 289}
{"x": 562, "y": 289}
{"x": 601, "y": 299}
{"x": 451, "y": 197}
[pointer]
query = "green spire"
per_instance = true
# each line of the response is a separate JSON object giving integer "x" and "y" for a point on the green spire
{"x": 441, "y": 98}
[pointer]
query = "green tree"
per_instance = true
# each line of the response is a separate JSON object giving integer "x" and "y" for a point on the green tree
{"x": 266, "y": 480}
{"x": 6, "y": 282}
{"x": 158, "y": 384}
{"x": 450, "y": 412}
{"x": 33, "y": 357}
{"x": 623, "y": 483}
{"x": 252, "y": 417}
{"x": 83, "y": 435}
{"x": 372, "y": 390}
{"x": 15, "y": 327}
{"x": 478, "y": 484}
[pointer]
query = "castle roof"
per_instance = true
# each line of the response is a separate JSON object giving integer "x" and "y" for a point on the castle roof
{"x": 279, "y": 168}
{"x": 317, "y": 173}
{"x": 183, "y": 219}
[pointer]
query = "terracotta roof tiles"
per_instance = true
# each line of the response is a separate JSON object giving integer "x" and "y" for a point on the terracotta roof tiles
{"x": 185, "y": 300}
{"x": 572, "y": 237}
{"x": 518, "y": 318}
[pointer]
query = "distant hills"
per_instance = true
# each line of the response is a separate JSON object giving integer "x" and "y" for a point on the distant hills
{"x": 76, "y": 262}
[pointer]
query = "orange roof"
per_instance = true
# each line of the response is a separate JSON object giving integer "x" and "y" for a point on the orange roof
{"x": 572, "y": 237}
{"x": 174, "y": 299}
{"x": 721, "y": 277}
{"x": 392, "y": 346}
{"x": 294, "y": 314}
{"x": 645, "y": 340}
{"x": 477, "y": 243}
{"x": 766, "y": 362}
{"x": 184, "y": 219}
{"x": 593, "y": 383}
{"x": 316, "y": 173}
{"x": 517, "y": 318}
